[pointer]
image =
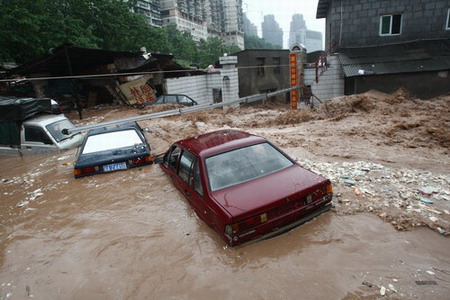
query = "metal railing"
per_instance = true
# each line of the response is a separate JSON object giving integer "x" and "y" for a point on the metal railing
{"x": 321, "y": 62}
{"x": 180, "y": 111}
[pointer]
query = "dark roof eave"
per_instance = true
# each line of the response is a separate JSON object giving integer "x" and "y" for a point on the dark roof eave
{"x": 322, "y": 9}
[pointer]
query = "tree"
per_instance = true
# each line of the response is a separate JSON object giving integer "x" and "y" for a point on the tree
{"x": 181, "y": 44}
{"x": 254, "y": 42}
{"x": 30, "y": 28}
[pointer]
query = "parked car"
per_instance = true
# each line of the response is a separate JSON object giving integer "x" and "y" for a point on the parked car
{"x": 174, "y": 99}
{"x": 112, "y": 149}
{"x": 243, "y": 186}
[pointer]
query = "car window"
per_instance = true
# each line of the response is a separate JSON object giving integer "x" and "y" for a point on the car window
{"x": 184, "y": 100}
{"x": 170, "y": 99}
{"x": 56, "y": 128}
{"x": 244, "y": 164}
{"x": 36, "y": 134}
{"x": 185, "y": 165}
{"x": 173, "y": 157}
{"x": 195, "y": 180}
{"x": 111, "y": 140}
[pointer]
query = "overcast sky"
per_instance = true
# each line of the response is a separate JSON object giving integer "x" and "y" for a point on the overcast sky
{"x": 283, "y": 11}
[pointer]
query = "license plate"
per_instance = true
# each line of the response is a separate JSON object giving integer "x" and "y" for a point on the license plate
{"x": 114, "y": 167}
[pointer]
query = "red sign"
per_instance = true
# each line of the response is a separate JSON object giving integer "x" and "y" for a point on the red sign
{"x": 293, "y": 68}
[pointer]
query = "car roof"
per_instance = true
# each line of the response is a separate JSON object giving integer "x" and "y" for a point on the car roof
{"x": 117, "y": 127}
{"x": 219, "y": 141}
{"x": 44, "y": 120}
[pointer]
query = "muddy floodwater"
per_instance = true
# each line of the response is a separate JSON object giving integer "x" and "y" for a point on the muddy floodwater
{"x": 131, "y": 235}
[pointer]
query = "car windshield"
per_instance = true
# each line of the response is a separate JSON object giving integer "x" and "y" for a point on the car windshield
{"x": 56, "y": 128}
{"x": 244, "y": 164}
{"x": 111, "y": 140}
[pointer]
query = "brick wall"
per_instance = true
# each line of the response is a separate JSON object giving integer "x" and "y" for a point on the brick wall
{"x": 357, "y": 22}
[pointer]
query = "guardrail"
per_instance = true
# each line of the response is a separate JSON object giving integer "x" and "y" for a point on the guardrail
{"x": 180, "y": 111}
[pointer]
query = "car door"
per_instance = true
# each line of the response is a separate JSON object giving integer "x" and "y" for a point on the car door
{"x": 171, "y": 161}
{"x": 35, "y": 140}
{"x": 189, "y": 174}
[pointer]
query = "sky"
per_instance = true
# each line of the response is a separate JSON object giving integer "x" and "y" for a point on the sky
{"x": 283, "y": 11}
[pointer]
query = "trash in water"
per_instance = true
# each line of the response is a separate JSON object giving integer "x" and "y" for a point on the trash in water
{"x": 425, "y": 200}
{"x": 426, "y": 282}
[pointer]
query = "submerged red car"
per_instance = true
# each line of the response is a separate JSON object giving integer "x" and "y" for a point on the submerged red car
{"x": 244, "y": 187}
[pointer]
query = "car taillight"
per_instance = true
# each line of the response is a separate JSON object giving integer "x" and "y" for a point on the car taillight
{"x": 246, "y": 224}
{"x": 86, "y": 171}
{"x": 140, "y": 160}
{"x": 329, "y": 189}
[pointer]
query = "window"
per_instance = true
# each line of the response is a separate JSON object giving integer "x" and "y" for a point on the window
{"x": 196, "y": 181}
{"x": 260, "y": 61}
{"x": 391, "y": 24}
{"x": 36, "y": 134}
{"x": 111, "y": 140}
{"x": 173, "y": 157}
{"x": 185, "y": 166}
{"x": 448, "y": 20}
{"x": 276, "y": 65}
{"x": 244, "y": 164}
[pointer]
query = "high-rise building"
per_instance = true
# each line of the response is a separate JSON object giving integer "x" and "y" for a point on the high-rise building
{"x": 233, "y": 23}
{"x": 187, "y": 15}
{"x": 297, "y": 24}
{"x": 298, "y": 33}
{"x": 271, "y": 31}
{"x": 150, "y": 9}
{"x": 206, "y": 18}
{"x": 250, "y": 29}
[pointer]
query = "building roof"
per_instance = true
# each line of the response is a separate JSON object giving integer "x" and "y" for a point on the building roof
{"x": 408, "y": 57}
{"x": 87, "y": 60}
{"x": 322, "y": 9}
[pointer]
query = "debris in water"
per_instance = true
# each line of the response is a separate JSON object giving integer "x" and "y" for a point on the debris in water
{"x": 392, "y": 288}
{"x": 431, "y": 272}
{"x": 426, "y": 282}
{"x": 428, "y": 190}
{"x": 349, "y": 182}
{"x": 425, "y": 200}
{"x": 433, "y": 219}
{"x": 382, "y": 291}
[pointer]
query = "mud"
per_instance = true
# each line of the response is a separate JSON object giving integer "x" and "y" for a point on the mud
{"x": 131, "y": 235}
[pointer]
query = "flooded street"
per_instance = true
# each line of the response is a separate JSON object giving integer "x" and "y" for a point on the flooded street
{"x": 131, "y": 234}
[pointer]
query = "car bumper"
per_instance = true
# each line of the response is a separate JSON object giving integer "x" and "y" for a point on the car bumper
{"x": 277, "y": 227}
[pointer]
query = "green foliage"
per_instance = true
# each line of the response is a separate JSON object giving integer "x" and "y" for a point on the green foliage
{"x": 254, "y": 42}
{"x": 182, "y": 45}
{"x": 29, "y": 28}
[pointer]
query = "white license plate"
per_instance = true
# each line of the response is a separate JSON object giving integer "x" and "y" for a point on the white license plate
{"x": 114, "y": 167}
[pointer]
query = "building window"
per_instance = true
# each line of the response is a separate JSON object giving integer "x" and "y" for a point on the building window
{"x": 276, "y": 65}
{"x": 448, "y": 19}
{"x": 391, "y": 24}
{"x": 260, "y": 61}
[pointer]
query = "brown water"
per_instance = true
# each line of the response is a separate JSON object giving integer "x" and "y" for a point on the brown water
{"x": 131, "y": 235}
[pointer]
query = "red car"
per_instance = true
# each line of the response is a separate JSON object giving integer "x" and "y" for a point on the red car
{"x": 244, "y": 187}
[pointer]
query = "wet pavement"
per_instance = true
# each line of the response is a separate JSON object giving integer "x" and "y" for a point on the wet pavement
{"x": 131, "y": 235}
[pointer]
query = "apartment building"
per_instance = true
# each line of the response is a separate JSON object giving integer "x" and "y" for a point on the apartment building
{"x": 150, "y": 9}
{"x": 206, "y": 18}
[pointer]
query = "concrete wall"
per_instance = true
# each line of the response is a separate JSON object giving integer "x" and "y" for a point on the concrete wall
{"x": 424, "y": 85}
{"x": 331, "y": 81}
{"x": 357, "y": 22}
{"x": 270, "y": 77}
{"x": 201, "y": 87}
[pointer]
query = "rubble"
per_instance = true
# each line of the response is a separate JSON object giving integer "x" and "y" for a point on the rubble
{"x": 389, "y": 192}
